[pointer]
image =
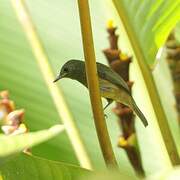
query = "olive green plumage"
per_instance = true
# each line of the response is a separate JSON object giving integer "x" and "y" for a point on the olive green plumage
{"x": 112, "y": 86}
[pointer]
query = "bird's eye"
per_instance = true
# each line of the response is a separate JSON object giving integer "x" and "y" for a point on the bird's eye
{"x": 66, "y": 70}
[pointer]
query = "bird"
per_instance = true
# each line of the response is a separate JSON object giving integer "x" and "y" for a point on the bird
{"x": 112, "y": 86}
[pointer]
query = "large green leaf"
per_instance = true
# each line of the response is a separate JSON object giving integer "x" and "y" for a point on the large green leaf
{"x": 21, "y": 76}
{"x": 109, "y": 174}
{"x": 150, "y": 21}
{"x": 27, "y": 167}
{"x": 13, "y": 144}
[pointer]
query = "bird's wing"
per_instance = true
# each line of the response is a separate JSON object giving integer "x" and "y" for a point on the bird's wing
{"x": 108, "y": 74}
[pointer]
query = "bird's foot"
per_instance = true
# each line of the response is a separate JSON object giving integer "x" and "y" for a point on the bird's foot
{"x": 105, "y": 116}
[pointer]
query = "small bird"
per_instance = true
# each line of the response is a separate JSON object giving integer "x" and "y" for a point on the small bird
{"x": 112, "y": 86}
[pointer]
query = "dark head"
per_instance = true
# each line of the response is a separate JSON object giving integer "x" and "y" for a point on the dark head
{"x": 73, "y": 69}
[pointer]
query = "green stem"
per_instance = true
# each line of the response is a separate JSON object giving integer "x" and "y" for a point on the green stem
{"x": 91, "y": 71}
{"x": 151, "y": 87}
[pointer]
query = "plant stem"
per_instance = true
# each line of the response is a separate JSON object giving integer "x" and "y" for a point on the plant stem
{"x": 92, "y": 79}
{"x": 56, "y": 94}
{"x": 151, "y": 87}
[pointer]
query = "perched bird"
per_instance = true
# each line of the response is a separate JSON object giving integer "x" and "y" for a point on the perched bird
{"x": 112, "y": 86}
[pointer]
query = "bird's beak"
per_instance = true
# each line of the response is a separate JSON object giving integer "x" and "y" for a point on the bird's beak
{"x": 60, "y": 77}
{"x": 57, "y": 78}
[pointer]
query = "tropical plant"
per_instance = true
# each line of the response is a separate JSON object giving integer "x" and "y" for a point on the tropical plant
{"x": 36, "y": 38}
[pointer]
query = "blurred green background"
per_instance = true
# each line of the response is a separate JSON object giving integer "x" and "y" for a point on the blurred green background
{"x": 57, "y": 23}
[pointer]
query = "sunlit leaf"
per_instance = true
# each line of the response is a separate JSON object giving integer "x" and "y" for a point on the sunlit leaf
{"x": 150, "y": 22}
{"x": 109, "y": 175}
{"x": 27, "y": 167}
{"x": 16, "y": 143}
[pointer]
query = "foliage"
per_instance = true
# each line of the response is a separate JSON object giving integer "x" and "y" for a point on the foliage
{"x": 17, "y": 143}
{"x": 57, "y": 25}
{"x": 151, "y": 22}
{"x": 29, "y": 167}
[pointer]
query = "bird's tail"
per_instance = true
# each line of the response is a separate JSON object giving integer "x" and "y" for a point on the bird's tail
{"x": 139, "y": 113}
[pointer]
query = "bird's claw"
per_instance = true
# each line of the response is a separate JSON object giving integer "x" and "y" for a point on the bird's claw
{"x": 105, "y": 116}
